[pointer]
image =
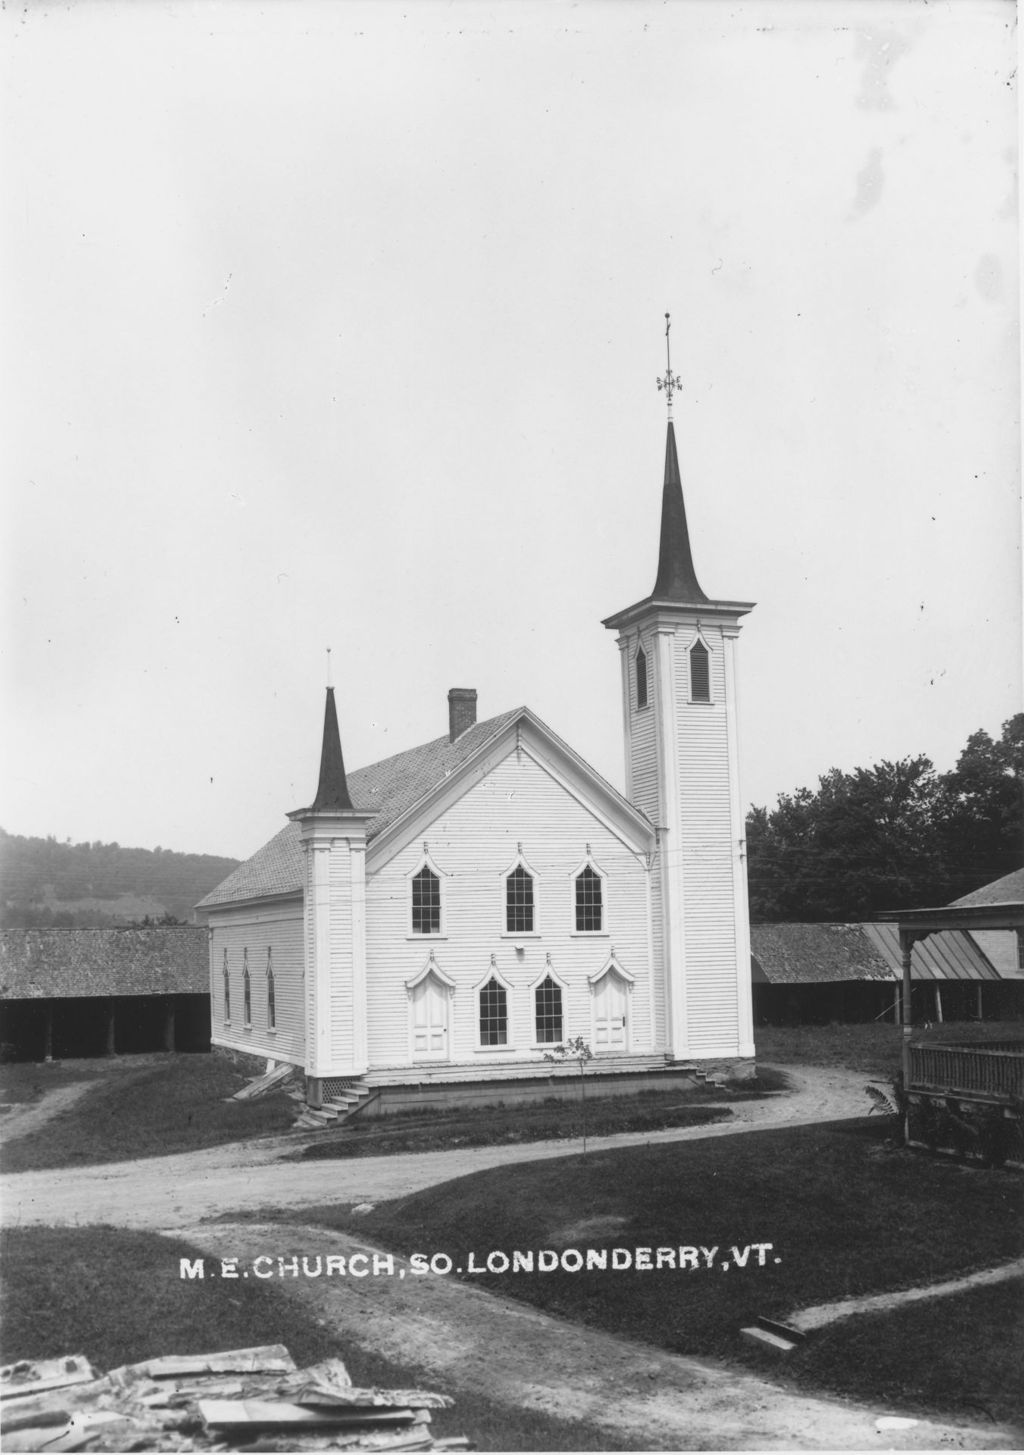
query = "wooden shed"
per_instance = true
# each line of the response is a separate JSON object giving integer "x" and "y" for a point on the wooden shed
{"x": 818, "y": 973}
{"x": 93, "y": 992}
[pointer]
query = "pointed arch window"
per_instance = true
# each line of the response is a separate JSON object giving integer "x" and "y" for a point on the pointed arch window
{"x": 246, "y": 990}
{"x": 641, "y": 678}
{"x": 225, "y": 976}
{"x": 493, "y": 1014}
{"x": 547, "y": 999}
{"x": 426, "y": 903}
{"x": 589, "y": 901}
{"x": 271, "y": 998}
{"x": 519, "y": 902}
{"x": 700, "y": 673}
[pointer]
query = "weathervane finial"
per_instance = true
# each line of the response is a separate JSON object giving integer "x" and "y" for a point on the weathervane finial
{"x": 329, "y": 683}
{"x": 671, "y": 382}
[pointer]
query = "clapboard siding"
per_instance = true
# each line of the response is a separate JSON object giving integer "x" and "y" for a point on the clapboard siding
{"x": 473, "y": 845}
{"x": 643, "y": 739}
{"x": 707, "y": 855}
{"x": 256, "y": 931}
{"x": 342, "y": 1019}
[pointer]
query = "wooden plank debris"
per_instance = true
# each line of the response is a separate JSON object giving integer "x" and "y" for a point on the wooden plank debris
{"x": 260, "y": 1085}
{"x": 240, "y": 1399}
{"x": 33, "y": 1376}
{"x": 264, "y": 1359}
{"x": 244, "y": 1414}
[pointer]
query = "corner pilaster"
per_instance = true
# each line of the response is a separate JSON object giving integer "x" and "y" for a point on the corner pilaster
{"x": 670, "y": 836}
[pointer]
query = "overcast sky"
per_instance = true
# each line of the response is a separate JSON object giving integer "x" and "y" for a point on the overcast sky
{"x": 338, "y": 324}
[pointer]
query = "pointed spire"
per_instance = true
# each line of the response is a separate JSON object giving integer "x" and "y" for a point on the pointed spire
{"x": 332, "y": 791}
{"x": 677, "y": 579}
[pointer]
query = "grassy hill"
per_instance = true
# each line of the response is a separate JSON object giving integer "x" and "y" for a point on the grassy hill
{"x": 44, "y": 882}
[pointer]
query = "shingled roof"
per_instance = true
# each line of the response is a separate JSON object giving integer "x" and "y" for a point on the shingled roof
{"x": 390, "y": 787}
{"x": 1008, "y": 890}
{"x": 136, "y": 960}
{"x": 804, "y": 954}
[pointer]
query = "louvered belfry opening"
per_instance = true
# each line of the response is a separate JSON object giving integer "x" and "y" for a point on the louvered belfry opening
{"x": 641, "y": 678}
{"x": 700, "y": 673}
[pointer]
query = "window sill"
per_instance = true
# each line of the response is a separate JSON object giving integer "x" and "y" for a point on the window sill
{"x": 487, "y": 1050}
{"x": 419, "y": 939}
{"x": 271, "y": 1030}
{"x": 590, "y": 934}
{"x": 520, "y": 935}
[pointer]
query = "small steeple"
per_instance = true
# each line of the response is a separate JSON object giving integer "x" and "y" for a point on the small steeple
{"x": 332, "y": 794}
{"x": 677, "y": 579}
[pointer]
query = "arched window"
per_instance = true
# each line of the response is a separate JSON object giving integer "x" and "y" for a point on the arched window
{"x": 426, "y": 903}
{"x": 493, "y": 1014}
{"x": 519, "y": 902}
{"x": 589, "y": 905}
{"x": 227, "y": 989}
{"x": 700, "y": 673}
{"x": 271, "y": 1002}
{"x": 641, "y": 678}
{"x": 548, "y": 1008}
{"x": 246, "y": 990}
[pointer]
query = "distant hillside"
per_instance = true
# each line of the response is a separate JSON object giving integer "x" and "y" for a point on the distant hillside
{"x": 43, "y": 882}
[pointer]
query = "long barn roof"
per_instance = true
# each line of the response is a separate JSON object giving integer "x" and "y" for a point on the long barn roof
{"x": 136, "y": 960}
{"x": 805, "y": 954}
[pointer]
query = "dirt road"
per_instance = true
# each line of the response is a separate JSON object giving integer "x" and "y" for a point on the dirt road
{"x": 186, "y": 1187}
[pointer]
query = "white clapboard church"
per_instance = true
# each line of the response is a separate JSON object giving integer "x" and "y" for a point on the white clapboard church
{"x": 433, "y": 925}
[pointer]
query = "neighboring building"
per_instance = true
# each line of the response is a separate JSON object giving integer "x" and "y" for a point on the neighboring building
{"x": 812, "y": 974}
{"x": 1004, "y": 948}
{"x": 444, "y": 918}
{"x": 94, "y": 992}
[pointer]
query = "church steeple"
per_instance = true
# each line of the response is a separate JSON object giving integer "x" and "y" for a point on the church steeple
{"x": 332, "y": 794}
{"x": 678, "y": 668}
{"x": 676, "y": 584}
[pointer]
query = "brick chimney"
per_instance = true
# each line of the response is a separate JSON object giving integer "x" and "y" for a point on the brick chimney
{"x": 461, "y": 711}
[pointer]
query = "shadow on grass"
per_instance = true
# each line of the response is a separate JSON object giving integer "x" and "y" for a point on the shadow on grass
{"x": 503, "y": 1125}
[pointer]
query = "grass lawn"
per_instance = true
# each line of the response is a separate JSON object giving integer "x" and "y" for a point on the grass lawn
{"x": 916, "y": 1355}
{"x": 141, "y": 1107}
{"x": 117, "y": 1297}
{"x": 486, "y": 1126}
{"x": 22, "y": 1083}
{"x": 873, "y": 1048}
{"x": 844, "y": 1213}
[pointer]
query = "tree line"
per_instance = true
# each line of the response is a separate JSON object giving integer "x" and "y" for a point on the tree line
{"x": 894, "y": 836}
{"x": 45, "y": 882}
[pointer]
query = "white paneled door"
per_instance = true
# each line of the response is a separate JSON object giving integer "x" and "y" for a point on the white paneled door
{"x": 610, "y": 1000}
{"x": 430, "y": 1019}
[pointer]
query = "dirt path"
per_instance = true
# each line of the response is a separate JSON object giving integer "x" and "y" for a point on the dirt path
{"x": 820, "y": 1315}
{"x": 26, "y": 1118}
{"x": 471, "y": 1341}
{"x": 186, "y": 1187}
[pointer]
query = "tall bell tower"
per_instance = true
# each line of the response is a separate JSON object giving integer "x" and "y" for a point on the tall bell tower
{"x": 678, "y": 654}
